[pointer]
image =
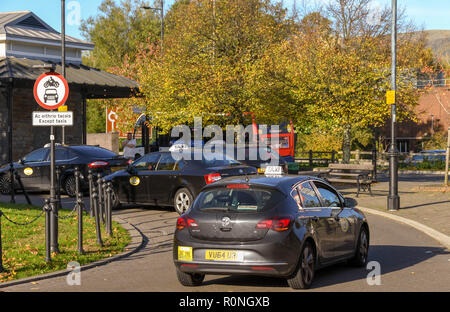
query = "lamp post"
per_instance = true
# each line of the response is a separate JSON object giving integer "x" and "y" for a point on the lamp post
{"x": 63, "y": 54}
{"x": 161, "y": 10}
{"x": 393, "y": 198}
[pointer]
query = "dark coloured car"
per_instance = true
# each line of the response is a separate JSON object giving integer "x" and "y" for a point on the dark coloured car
{"x": 258, "y": 157}
{"x": 161, "y": 179}
{"x": 272, "y": 226}
{"x": 34, "y": 168}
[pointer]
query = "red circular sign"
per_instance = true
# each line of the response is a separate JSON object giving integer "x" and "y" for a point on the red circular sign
{"x": 51, "y": 90}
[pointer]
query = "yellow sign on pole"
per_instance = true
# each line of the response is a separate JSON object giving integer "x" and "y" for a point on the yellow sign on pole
{"x": 390, "y": 97}
{"x": 62, "y": 108}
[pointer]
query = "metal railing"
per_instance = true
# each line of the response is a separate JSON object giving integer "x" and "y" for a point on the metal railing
{"x": 101, "y": 200}
{"x": 441, "y": 83}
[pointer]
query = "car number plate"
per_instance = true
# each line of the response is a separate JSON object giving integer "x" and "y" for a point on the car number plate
{"x": 276, "y": 170}
{"x": 224, "y": 255}
{"x": 185, "y": 253}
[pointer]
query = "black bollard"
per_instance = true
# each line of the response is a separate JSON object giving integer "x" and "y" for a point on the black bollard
{"x": 11, "y": 174}
{"x": 91, "y": 202}
{"x": 108, "y": 209}
{"x": 79, "y": 210}
{"x": 97, "y": 217}
{"x": 100, "y": 197}
{"x": 47, "y": 210}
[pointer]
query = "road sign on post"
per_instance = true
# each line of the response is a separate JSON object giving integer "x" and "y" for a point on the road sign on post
{"x": 50, "y": 92}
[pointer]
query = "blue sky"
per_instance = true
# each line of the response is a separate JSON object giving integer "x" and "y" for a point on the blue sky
{"x": 432, "y": 14}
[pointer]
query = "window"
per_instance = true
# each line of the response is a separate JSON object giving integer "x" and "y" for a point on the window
{"x": 36, "y": 156}
{"x": 94, "y": 152}
{"x": 180, "y": 165}
{"x": 148, "y": 162}
{"x": 308, "y": 196}
{"x": 238, "y": 200}
{"x": 60, "y": 154}
{"x": 329, "y": 197}
{"x": 166, "y": 163}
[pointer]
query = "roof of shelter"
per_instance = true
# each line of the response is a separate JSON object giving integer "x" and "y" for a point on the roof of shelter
{"x": 94, "y": 83}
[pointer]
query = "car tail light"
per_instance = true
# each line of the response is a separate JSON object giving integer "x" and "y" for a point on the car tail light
{"x": 129, "y": 161}
{"x": 278, "y": 224}
{"x": 212, "y": 177}
{"x": 184, "y": 222}
{"x": 98, "y": 164}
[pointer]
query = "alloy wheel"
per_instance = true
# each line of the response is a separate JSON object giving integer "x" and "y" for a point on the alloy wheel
{"x": 182, "y": 202}
{"x": 307, "y": 265}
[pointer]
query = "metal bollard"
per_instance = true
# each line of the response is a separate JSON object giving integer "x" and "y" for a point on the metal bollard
{"x": 13, "y": 191}
{"x": 80, "y": 205}
{"x": 109, "y": 209}
{"x": 47, "y": 210}
{"x": 1, "y": 257}
{"x": 105, "y": 201}
{"x": 100, "y": 197}
{"x": 91, "y": 185}
{"x": 97, "y": 217}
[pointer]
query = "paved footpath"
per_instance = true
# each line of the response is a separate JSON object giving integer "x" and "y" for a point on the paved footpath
{"x": 410, "y": 261}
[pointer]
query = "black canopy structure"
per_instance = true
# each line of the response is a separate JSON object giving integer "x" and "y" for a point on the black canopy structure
{"x": 93, "y": 83}
{"x": 17, "y": 78}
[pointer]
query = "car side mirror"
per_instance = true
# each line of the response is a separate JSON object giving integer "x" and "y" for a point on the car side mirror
{"x": 350, "y": 202}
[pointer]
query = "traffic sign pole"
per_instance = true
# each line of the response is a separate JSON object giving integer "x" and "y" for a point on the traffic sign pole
{"x": 63, "y": 54}
{"x": 53, "y": 201}
{"x": 50, "y": 92}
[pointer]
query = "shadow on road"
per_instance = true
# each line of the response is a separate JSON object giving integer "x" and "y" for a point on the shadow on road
{"x": 391, "y": 259}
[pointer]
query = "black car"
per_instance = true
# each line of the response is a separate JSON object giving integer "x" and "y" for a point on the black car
{"x": 273, "y": 226}
{"x": 161, "y": 179}
{"x": 259, "y": 157}
{"x": 34, "y": 168}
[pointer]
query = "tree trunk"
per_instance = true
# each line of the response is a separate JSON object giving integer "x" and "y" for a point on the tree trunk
{"x": 346, "y": 144}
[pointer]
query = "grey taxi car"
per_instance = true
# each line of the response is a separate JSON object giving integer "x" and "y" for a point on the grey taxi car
{"x": 281, "y": 226}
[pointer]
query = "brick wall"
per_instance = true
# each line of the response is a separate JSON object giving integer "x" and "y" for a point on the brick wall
{"x": 26, "y": 137}
{"x": 3, "y": 128}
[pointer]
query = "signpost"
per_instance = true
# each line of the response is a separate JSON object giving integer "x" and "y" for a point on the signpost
{"x": 51, "y": 92}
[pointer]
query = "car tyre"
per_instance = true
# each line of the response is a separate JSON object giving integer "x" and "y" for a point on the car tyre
{"x": 304, "y": 275}
{"x": 115, "y": 200}
{"x": 5, "y": 185}
{"x": 190, "y": 279}
{"x": 182, "y": 200}
{"x": 69, "y": 186}
{"x": 362, "y": 249}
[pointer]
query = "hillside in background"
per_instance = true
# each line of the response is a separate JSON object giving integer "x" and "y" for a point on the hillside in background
{"x": 439, "y": 42}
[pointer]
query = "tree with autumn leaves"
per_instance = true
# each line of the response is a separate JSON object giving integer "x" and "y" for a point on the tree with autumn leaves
{"x": 222, "y": 58}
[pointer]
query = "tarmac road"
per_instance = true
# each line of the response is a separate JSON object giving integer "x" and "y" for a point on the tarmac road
{"x": 409, "y": 260}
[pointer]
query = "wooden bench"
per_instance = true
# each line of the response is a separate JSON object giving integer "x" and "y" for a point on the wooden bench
{"x": 361, "y": 175}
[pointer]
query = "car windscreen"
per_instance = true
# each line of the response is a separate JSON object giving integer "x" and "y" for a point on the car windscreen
{"x": 95, "y": 152}
{"x": 238, "y": 200}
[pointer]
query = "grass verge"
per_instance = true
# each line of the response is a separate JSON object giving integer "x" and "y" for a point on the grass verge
{"x": 24, "y": 246}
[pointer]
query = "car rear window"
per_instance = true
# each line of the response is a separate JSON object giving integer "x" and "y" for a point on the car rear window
{"x": 238, "y": 200}
{"x": 95, "y": 152}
